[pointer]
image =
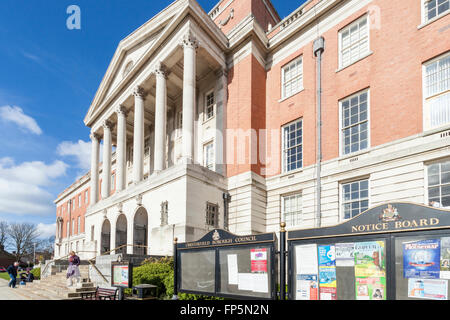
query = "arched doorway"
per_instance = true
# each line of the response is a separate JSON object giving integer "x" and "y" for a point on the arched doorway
{"x": 121, "y": 233}
{"x": 140, "y": 232}
{"x": 105, "y": 242}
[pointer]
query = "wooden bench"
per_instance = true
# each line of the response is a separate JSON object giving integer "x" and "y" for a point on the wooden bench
{"x": 100, "y": 294}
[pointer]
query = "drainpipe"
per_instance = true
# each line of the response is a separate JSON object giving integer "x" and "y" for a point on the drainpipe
{"x": 319, "y": 48}
{"x": 226, "y": 202}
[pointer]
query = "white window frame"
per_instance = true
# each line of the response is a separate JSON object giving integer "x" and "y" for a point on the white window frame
{"x": 207, "y": 116}
{"x": 79, "y": 200}
{"x": 86, "y": 196}
{"x": 426, "y": 99}
{"x": 210, "y": 166}
{"x": 341, "y": 196}
{"x": 296, "y": 77}
{"x": 299, "y": 214}
{"x": 283, "y": 153}
{"x": 215, "y": 218}
{"x": 341, "y": 128}
{"x": 426, "y": 180}
{"x": 346, "y": 28}
{"x": 424, "y": 10}
{"x": 79, "y": 224}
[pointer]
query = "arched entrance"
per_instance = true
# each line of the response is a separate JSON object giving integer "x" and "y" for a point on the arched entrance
{"x": 140, "y": 232}
{"x": 121, "y": 233}
{"x": 105, "y": 244}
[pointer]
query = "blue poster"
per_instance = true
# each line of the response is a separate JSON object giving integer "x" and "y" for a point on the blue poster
{"x": 327, "y": 256}
{"x": 421, "y": 259}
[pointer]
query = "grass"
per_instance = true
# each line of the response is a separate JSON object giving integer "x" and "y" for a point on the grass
{"x": 4, "y": 275}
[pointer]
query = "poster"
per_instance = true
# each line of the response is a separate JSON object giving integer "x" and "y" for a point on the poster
{"x": 327, "y": 272}
{"x": 259, "y": 260}
{"x": 370, "y": 270}
{"x": 306, "y": 259}
{"x": 120, "y": 275}
{"x": 253, "y": 282}
{"x": 428, "y": 289}
{"x": 232, "y": 269}
{"x": 307, "y": 287}
{"x": 445, "y": 258}
{"x": 344, "y": 254}
{"x": 327, "y": 256}
{"x": 421, "y": 259}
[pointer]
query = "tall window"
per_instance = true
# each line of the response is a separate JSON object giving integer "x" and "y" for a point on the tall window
{"x": 86, "y": 197}
{"x": 439, "y": 184}
{"x": 355, "y": 198}
{"x": 212, "y": 215}
{"x": 292, "y": 209}
{"x": 68, "y": 228}
{"x": 164, "y": 213}
{"x": 292, "y": 78}
{"x": 208, "y": 155}
{"x": 292, "y": 146}
{"x": 437, "y": 92}
{"x": 79, "y": 225}
{"x": 355, "y": 123}
{"x": 79, "y": 200}
{"x": 435, "y": 8}
{"x": 209, "y": 105}
{"x": 354, "y": 42}
{"x": 92, "y": 233}
{"x": 73, "y": 226}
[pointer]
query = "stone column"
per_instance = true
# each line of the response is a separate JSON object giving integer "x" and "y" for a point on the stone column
{"x": 160, "y": 118}
{"x": 122, "y": 114}
{"x": 138, "y": 146}
{"x": 95, "y": 155}
{"x": 107, "y": 153}
{"x": 190, "y": 45}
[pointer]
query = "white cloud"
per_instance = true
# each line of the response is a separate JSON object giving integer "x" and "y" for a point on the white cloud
{"x": 15, "y": 115}
{"x": 23, "y": 187}
{"x": 81, "y": 150}
{"x": 46, "y": 230}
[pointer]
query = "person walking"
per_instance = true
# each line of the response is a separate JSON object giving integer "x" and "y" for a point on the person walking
{"x": 73, "y": 272}
{"x": 12, "y": 271}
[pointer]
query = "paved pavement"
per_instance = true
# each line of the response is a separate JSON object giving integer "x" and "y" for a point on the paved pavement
{"x": 7, "y": 293}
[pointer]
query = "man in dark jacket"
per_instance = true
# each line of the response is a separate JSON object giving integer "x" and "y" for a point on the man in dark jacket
{"x": 12, "y": 271}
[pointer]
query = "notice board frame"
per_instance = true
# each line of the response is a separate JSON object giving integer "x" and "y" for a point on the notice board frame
{"x": 130, "y": 273}
{"x": 221, "y": 239}
{"x": 387, "y": 222}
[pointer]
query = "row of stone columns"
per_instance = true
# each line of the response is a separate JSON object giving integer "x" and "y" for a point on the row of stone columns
{"x": 190, "y": 45}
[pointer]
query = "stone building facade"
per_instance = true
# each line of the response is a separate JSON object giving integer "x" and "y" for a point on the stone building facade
{"x": 196, "y": 105}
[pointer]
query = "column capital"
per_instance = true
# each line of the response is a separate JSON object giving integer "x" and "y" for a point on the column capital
{"x": 107, "y": 124}
{"x": 189, "y": 41}
{"x": 139, "y": 92}
{"x": 95, "y": 136}
{"x": 122, "y": 110}
{"x": 161, "y": 70}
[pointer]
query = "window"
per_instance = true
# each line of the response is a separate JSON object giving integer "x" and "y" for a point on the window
{"x": 92, "y": 233}
{"x": 355, "y": 198}
{"x": 292, "y": 209}
{"x": 208, "y": 156}
{"x": 439, "y": 184}
{"x": 147, "y": 147}
{"x": 354, "y": 42}
{"x": 79, "y": 225}
{"x": 209, "y": 105}
{"x": 86, "y": 197}
{"x": 435, "y": 8}
{"x": 68, "y": 228}
{"x": 79, "y": 200}
{"x": 292, "y": 146}
{"x": 355, "y": 123}
{"x": 164, "y": 213}
{"x": 73, "y": 226}
{"x": 292, "y": 78}
{"x": 437, "y": 92}
{"x": 212, "y": 215}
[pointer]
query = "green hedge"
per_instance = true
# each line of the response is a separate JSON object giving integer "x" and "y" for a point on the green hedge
{"x": 159, "y": 272}
{"x": 36, "y": 273}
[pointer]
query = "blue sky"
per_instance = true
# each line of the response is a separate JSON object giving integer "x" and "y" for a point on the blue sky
{"x": 48, "y": 78}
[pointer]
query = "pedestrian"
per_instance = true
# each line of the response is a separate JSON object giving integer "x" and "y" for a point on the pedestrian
{"x": 12, "y": 271}
{"x": 73, "y": 272}
{"x": 30, "y": 276}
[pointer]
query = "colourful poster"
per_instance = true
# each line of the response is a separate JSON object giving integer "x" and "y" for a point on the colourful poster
{"x": 421, "y": 259}
{"x": 344, "y": 254}
{"x": 307, "y": 287}
{"x": 370, "y": 270}
{"x": 259, "y": 260}
{"x": 120, "y": 276}
{"x": 328, "y": 294}
{"x": 327, "y": 256}
{"x": 445, "y": 258}
{"x": 428, "y": 289}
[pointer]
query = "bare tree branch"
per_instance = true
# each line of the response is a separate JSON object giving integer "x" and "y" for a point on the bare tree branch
{"x": 22, "y": 236}
{"x": 3, "y": 233}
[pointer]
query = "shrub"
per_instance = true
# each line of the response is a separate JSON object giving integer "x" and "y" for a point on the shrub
{"x": 154, "y": 271}
{"x": 36, "y": 273}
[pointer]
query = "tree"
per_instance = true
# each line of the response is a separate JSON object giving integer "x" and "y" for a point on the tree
{"x": 22, "y": 236}
{"x": 3, "y": 233}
